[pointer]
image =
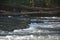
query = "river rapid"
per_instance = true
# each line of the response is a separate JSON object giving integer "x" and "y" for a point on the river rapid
{"x": 48, "y": 30}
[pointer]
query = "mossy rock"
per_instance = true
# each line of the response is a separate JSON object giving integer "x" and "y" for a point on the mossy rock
{"x": 9, "y": 24}
{"x": 13, "y": 27}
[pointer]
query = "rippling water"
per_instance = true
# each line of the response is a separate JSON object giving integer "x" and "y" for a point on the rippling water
{"x": 49, "y": 30}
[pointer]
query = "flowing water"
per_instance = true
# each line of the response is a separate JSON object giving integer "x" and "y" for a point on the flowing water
{"x": 48, "y": 30}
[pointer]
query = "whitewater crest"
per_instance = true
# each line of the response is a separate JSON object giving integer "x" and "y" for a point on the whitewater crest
{"x": 49, "y": 25}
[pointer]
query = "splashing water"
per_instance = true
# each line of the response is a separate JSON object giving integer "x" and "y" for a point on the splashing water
{"x": 37, "y": 31}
